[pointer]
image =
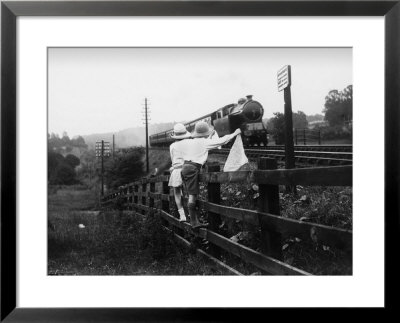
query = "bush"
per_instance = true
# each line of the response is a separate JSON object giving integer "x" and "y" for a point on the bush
{"x": 125, "y": 169}
{"x": 61, "y": 170}
{"x": 63, "y": 174}
{"x": 72, "y": 160}
{"x": 53, "y": 160}
{"x": 336, "y": 132}
{"x": 276, "y": 125}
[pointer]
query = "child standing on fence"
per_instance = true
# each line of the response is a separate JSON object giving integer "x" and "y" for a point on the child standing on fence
{"x": 195, "y": 153}
{"x": 175, "y": 179}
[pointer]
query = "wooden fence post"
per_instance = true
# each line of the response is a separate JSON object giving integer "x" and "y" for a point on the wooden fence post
{"x": 214, "y": 196}
{"x": 158, "y": 201}
{"x": 143, "y": 190}
{"x": 165, "y": 203}
{"x": 152, "y": 190}
{"x": 165, "y": 190}
{"x": 140, "y": 196}
{"x": 131, "y": 187}
{"x": 126, "y": 195}
{"x": 144, "y": 193}
{"x": 271, "y": 241}
{"x": 319, "y": 136}
{"x": 304, "y": 136}
{"x": 135, "y": 193}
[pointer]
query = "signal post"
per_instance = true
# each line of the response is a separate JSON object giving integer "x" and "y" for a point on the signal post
{"x": 284, "y": 83}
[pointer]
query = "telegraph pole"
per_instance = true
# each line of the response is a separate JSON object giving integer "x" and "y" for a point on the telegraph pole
{"x": 146, "y": 112}
{"x": 102, "y": 167}
{"x": 90, "y": 172}
{"x": 113, "y": 145}
{"x": 102, "y": 149}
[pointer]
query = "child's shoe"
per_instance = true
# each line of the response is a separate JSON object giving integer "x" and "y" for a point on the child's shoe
{"x": 182, "y": 216}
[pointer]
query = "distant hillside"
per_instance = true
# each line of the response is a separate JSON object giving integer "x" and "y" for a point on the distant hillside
{"x": 127, "y": 137}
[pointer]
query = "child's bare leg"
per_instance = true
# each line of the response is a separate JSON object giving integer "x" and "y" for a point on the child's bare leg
{"x": 178, "y": 197}
{"x": 192, "y": 198}
{"x": 178, "y": 201}
{"x": 192, "y": 210}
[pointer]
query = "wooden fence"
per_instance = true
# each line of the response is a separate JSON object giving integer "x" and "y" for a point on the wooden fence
{"x": 153, "y": 196}
{"x": 304, "y": 136}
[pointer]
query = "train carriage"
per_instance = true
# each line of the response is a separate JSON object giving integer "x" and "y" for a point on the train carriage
{"x": 246, "y": 114}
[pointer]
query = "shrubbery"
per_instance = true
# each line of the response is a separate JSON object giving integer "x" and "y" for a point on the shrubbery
{"x": 335, "y": 132}
{"x": 61, "y": 171}
{"x": 72, "y": 160}
{"x": 276, "y": 125}
{"x": 125, "y": 168}
{"x": 339, "y": 106}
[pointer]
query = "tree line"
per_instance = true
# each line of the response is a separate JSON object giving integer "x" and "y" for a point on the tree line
{"x": 338, "y": 113}
{"x": 61, "y": 170}
{"x": 62, "y": 165}
{"x": 64, "y": 144}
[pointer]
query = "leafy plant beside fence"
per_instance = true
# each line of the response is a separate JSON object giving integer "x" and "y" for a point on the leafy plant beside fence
{"x": 153, "y": 197}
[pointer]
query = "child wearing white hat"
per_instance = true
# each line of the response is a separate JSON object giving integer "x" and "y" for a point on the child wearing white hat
{"x": 175, "y": 179}
{"x": 195, "y": 153}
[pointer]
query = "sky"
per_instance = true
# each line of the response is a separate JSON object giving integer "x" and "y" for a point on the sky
{"x": 98, "y": 90}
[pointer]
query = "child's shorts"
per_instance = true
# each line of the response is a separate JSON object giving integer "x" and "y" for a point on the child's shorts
{"x": 190, "y": 172}
{"x": 175, "y": 180}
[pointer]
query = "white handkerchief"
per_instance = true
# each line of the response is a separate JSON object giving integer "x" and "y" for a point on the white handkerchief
{"x": 236, "y": 158}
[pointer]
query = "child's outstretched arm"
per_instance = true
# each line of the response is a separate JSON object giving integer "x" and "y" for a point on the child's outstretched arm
{"x": 217, "y": 142}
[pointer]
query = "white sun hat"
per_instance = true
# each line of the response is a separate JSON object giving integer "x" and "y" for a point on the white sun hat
{"x": 180, "y": 132}
{"x": 202, "y": 129}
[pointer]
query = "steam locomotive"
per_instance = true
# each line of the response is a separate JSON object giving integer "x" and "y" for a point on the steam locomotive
{"x": 246, "y": 114}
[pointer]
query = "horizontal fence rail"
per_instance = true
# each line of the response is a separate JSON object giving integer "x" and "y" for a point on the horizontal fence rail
{"x": 321, "y": 176}
{"x": 336, "y": 237}
{"x": 153, "y": 196}
{"x": 261, "y": 261}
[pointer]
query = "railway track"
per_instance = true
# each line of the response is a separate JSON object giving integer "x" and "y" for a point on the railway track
{"x": 329, "y": 148}
{"x": 321, "y": 158}
{"x": 318, "y": 155}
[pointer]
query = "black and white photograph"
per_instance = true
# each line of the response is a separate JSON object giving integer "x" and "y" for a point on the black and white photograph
{"x": 189, "y": 160}
{"x": 199, "y": 161}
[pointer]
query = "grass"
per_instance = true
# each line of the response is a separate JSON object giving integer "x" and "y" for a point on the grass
{"x": 72, "y": 198}
{"x": 83, "y": 241}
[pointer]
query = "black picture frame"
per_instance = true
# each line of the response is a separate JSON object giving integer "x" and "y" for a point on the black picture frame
{"x": 10, "y": 10}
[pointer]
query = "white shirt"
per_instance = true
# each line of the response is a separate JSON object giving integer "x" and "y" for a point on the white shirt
{"x": 196, "y": 149}
{"x": 176, "y": 154}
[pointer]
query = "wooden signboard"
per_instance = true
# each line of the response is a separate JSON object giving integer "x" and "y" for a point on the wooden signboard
{"x": 284, "y": 78}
